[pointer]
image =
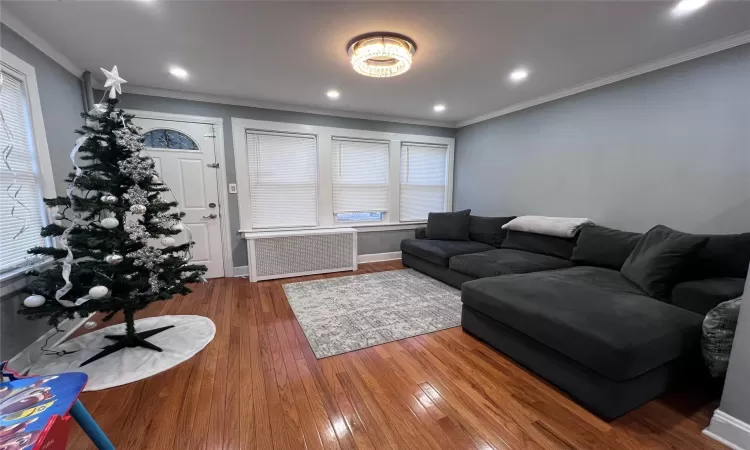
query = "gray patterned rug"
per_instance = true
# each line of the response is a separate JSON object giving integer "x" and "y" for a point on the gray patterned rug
{"x": 339, "y": 315}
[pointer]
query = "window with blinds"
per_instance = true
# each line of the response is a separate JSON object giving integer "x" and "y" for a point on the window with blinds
{"x": 359, "y": 176}
{"x": 283, "y": 170}
{"x": 424, "y": 180}
{"x": 22, "y": 213}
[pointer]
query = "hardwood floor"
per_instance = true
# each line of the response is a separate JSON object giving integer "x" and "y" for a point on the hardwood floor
{"x": 259, "y": 386}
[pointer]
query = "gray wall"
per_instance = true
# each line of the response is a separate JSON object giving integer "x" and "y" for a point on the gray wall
{"x": 370, "y": 242}
{"x": 671, "y": 147}
{"x": 735, "y": 400}
{"x": 60, "y": 95}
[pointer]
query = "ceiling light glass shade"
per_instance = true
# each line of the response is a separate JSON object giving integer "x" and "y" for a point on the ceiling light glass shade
{"x": 381, "y": 55}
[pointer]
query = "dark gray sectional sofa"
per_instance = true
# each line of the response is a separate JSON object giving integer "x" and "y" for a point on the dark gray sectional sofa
{"x": 562, "y": 308}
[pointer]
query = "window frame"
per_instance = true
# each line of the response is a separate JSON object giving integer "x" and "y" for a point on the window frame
{"x": 38, "y": 142}
{"x": 324, "y": 136}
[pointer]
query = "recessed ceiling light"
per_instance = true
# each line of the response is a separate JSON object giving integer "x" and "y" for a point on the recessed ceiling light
{"x": 333, "y": 94}
{"x": 439, "y": 107}
{"x": 179, "y": 72}
{"x": 685, "y": 7}
{"x": 518, "y": 75}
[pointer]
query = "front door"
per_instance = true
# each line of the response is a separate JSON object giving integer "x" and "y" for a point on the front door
{"x": 185, "y": 157}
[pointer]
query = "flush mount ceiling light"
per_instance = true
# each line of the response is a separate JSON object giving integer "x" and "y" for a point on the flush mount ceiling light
{"x": 381, "y": 55}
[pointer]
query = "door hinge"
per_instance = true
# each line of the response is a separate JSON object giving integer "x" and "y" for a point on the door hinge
{"x": 213, "y": 165}
{"x": 210, "y": 135}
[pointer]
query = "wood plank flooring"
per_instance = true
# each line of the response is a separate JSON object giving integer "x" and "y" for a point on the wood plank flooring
{"x": 259, "y": 386}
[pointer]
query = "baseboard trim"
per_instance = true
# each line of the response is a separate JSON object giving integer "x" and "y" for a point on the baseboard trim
{"x": 728, "y": 430}
{"x": 374, "y": 257}
{"x": 242, "y": 271}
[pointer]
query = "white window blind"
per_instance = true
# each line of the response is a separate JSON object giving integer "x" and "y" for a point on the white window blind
{"x": 359, "y": 175}
{"x": 423, "y": 180}
{"x": 27, "y": 209}
{"x": 283, "y": 171}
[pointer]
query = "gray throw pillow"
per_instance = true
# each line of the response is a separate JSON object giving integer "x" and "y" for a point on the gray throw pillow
{"x": 657, "y": 262}
{"x": 604, "y": 247}
{"x": 718, "y": 334}
{"x": 449, "y": 226}
{"x": 488, "y": 230}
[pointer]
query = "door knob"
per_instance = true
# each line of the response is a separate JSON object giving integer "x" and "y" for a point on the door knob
{"x": 210, "y": 216}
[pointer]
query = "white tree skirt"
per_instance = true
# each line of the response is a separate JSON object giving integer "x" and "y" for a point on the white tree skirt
{"x": 189, "y": 336}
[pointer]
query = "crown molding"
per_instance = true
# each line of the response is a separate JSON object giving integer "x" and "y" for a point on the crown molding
{"x": 15, "y": 24}
{"x": 208, "y": 98}
{"x": 675, "y": 58}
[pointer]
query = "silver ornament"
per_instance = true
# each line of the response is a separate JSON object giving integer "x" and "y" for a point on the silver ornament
{"x": 178, "y": 227}
{"x": 110, "y": 222}
{"x": 89, "y": 325}
{"x": 59, "y": 216}
{"x": 138, "y": 209}
{"x": 109, "y": 199}
{"x": 167, "y": 241}
{"x": 155, "y": 179}
{"x": 128, "y": 277}
{"x": 155, "y": 220}
{"x": 113, "y": 259}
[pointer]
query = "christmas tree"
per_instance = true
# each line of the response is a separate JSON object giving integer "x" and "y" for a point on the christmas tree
{"x": 115, "y": 209}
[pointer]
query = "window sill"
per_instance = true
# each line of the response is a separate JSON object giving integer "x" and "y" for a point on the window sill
{"x": 361, "y": 228}
{"x": 12, "y": 276}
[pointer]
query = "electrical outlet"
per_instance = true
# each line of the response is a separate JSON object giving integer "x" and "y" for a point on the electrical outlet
{"x": 232, "y": 188}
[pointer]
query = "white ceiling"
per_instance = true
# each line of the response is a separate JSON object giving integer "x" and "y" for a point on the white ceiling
{"x": 292, "y": 52}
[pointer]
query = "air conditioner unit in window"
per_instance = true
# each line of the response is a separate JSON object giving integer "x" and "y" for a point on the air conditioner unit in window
{"x": 281, "y": 254}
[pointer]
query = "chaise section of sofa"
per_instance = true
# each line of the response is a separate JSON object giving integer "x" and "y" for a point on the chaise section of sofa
{"x": 589, "y": 317}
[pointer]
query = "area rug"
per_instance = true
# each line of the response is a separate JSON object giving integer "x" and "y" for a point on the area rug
{"x": 189, "y": 336}
{"x": 340, "y": 315}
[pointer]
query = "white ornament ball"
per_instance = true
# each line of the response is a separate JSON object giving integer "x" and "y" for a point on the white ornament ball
{"x": 110, "y": 222}
{"x": 109, "y": 199}
{"x": 128, "y": 277}
{"x": 113, "y": 259}
{"x": 98, "y": 291}
{"x": 155, "y": 179}
{"x": 89, "y": 325}
{"x": 178, "y": 227}
{"x": 154, "y": 220}
{"x": 59, "y": 216}
{"x": 138, "y": 209}
{"x": 167, "y": 241}
{"x": 32, "y": 301}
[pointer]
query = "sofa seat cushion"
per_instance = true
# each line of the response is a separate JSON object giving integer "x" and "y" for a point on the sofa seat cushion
{"x": 504, "y": 262}
{"x": 592, "y": 315}
{"x": 439, "y": 252}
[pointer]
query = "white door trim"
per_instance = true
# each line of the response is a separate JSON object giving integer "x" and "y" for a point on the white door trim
{"x": 218, "y": 123}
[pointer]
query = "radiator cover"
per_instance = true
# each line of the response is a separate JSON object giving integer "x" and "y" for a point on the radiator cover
{"x": 282, "y": 254}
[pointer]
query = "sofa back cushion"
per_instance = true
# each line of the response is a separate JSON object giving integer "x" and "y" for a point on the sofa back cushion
{"x": 725, "y": 255}
{"x": 488, "y": 230}
{"x": 448, "y": 226}
{"x": 658, "y": 260}
{"x": 604, "y": 247}
{"x": 539, "y": 243}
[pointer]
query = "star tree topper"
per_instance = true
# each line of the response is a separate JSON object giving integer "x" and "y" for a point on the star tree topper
{"x": 114, "y": 82}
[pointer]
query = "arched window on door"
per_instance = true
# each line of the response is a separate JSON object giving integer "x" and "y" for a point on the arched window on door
{"x": 169, "y": 139}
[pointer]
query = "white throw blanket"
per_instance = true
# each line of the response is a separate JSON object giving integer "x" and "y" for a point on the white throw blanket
{"x": 564, "y": 227}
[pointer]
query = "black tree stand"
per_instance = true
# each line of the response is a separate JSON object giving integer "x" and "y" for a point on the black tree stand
{"x": 129, "y": 339}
